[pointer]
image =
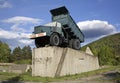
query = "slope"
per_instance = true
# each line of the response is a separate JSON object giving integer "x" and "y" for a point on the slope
{"x": 106, "y": 48}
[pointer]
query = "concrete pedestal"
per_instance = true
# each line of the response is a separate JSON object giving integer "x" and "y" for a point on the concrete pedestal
{"x": 56, "y": 61}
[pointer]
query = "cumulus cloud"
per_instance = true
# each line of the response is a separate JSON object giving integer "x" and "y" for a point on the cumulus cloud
{"x": 12, "y": 35}
{"x": 22, "y": 20}
{"x": 26, "y": 41}
{"x": 96, "y": 28}
{"x": 5, "y": 5}
{"x": 16, "y": 42}
{"x": 14, "y": 39}
{"x": 7, "y": 34}
{"x": 20, "y": 29}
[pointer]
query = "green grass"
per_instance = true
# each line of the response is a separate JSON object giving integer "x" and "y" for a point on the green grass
{"x": 28, "y": 77}
{"x": 6, "y": 75}
{"x": 28, "y": 61}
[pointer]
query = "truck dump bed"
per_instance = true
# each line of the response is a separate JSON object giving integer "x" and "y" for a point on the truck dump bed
{"x": 62, "y": 16}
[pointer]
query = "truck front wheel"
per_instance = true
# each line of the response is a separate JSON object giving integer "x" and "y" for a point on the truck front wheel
{"x": 76, "y": 44}
{"x": 38, "y": 43}
{"x": 55, "y": 39}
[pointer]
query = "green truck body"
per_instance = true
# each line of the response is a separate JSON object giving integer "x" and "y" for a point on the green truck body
{"x": 62, "y": 31}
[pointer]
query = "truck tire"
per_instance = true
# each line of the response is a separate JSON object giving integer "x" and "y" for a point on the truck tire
{"x": 55, "y": 39}
{"x": 76, "y": 44}
{"x": 38, "y": 43}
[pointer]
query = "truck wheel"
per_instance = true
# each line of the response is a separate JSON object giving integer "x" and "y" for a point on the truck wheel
{"x": 76, "y": 44}
{"x": 55, "y": 39}
{"x": 38, "y": 44}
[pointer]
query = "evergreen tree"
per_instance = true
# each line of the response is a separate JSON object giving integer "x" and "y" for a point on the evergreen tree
{"x": 17, "y": 53}
{"x": 4, "y": 52}
{"x": 26, "y": 52}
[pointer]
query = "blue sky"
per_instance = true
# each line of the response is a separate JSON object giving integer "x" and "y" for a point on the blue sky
{"x": 96, "y": 18}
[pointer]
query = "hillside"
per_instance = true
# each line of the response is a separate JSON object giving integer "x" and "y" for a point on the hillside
{"x": 105, "y": 48}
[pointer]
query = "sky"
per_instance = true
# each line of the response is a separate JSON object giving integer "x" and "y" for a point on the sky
{"x": 95, "y": 18}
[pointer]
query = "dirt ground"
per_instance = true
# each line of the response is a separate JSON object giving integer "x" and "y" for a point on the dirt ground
{"x": 102, "y": 78}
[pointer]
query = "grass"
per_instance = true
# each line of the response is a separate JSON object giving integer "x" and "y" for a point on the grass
{"x": 28, "y": 61}
{"x": 6, "y": 75}
{"x": 27, "y": 76}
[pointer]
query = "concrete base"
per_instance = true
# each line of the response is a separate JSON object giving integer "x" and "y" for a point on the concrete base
{"x": 56, "y": 61}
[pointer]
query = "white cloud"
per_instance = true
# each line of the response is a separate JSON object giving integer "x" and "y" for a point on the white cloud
{"x": 19, "y": 31}
{"x": 96, "y": 28}
{"x": 12, "y": 35}
{"x": 26, "y": 41}
{"x": 22, "y": 20}
{"x": 15, "y": 39}
{"x": 5, "y": 5}
{"x": 16, "y": 27}
{"x": 25, "y": 35}
{"x": 8, "y": 34}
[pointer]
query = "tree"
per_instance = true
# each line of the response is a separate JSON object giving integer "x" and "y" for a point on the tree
{"x": 17, "y": 53}
{"x": 26, "y": 52}
{"x": 4, "y": 52}
{"x": 22, "y": 56}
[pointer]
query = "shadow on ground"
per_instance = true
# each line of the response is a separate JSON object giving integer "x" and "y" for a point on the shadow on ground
{"x": 13, "y": 80}
{"x": 112, "y": 76}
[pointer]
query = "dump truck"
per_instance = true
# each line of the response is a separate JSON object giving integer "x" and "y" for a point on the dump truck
{"x": 62, "y": 31}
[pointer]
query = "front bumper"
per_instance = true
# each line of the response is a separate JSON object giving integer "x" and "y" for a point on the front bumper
{"x": 33, "y": 36}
